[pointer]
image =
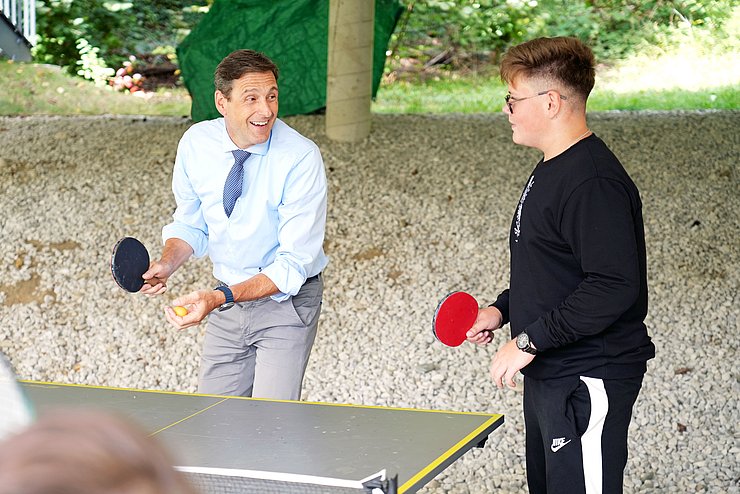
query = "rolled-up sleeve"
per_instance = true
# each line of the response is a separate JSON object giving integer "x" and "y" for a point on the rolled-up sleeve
{"x": 302, "y": 221}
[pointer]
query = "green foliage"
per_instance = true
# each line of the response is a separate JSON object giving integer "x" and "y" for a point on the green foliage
{"x": 61, "y": 27}
{"x": 451, "y": 31}
{"x": 87, "y": 36}
{"x": 617, "y": 28}
{"x": 455, "y": 32}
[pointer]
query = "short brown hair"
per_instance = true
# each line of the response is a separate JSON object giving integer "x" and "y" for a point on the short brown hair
{"x": 562, "y": 60}
{"x": 240, "y": 62}
{"x": 74, "y": 451}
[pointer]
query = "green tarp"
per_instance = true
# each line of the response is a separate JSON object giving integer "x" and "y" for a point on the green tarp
{"x": 293, "y": 33}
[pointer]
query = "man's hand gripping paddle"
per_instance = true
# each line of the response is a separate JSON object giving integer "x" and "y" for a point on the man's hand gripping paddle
{"x": 455, "y": 315}
{"x": 129, "y": 261}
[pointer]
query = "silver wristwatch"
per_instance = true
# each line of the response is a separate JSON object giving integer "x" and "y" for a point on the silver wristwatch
{"x": 523, "y": 343}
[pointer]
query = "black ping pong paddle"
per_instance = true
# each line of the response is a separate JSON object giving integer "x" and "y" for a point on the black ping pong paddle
{"x": 129, "y": 261}
{"x": 455, "y": 315}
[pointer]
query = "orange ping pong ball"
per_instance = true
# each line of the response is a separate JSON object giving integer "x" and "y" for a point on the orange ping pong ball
{"x": 180, "y": 311}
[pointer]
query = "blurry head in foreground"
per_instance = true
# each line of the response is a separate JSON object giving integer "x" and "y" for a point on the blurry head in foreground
{"x": 84, "y": 452}
{"x": 15, "y": 410}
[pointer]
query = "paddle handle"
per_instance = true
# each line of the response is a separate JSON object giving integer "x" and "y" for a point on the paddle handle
{"x": 153, "y": 281}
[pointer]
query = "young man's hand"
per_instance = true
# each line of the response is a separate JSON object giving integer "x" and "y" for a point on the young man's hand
{"x": 507, "y": 362}
{"x": 489, "y": 319}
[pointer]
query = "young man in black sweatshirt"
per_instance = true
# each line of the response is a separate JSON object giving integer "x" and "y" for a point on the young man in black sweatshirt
{"x": 577, "y": 295}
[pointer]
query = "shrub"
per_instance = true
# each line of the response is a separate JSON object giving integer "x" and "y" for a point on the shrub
{"x": 451, "y": 33}
{"x": 86, "y": 37}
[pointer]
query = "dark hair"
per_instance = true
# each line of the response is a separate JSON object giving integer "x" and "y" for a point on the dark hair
{"x": 240, "y": 62}
{"x": 86, "y": 452}
{"x": 563, "y": 60}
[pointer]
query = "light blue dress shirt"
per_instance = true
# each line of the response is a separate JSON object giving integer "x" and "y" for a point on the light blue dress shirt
{"x": 277, "y": 226}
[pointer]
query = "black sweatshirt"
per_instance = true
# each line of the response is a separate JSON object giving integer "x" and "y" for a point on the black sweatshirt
{"x": 578, "y": 283}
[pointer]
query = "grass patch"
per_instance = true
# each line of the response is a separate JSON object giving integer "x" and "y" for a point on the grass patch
{"x": 33, "y": 89}
{"x": 486, "y": 95}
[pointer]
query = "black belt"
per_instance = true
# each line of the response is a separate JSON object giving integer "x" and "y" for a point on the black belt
{"x": 313, "y": 278}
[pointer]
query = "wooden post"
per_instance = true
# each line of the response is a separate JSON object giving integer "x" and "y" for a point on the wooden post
{"x": 349, "y": 75}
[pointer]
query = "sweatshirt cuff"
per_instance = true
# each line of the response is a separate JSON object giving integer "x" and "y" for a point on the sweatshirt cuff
{"x": 504, "y": 309}
{"x": 538, "y": 336}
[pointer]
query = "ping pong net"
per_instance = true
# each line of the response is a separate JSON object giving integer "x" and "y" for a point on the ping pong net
{"x": 235, "y": 481}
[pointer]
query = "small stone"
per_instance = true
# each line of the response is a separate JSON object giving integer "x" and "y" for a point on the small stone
{"x": 427, "y": 367}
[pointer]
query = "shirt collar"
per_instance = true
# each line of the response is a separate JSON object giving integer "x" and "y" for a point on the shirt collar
{"x": 228, "y": 145}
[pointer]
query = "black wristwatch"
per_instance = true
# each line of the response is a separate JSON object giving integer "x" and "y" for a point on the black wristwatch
{"x": 523, "y": 344}
{"x": 229, "y": 297}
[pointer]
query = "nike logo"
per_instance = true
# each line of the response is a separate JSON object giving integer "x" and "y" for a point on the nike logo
{"x": 558, "y": 443}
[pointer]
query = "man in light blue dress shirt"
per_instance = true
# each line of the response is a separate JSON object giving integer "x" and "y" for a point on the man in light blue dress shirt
{"x": 266, "y": 252}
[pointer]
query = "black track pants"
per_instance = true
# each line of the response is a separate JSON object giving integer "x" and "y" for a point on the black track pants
{"x": 577, "y": 433}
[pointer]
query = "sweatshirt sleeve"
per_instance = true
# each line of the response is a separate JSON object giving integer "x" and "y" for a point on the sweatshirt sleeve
{"x": 502, "y": 304}
{"x": 598, "y": 223}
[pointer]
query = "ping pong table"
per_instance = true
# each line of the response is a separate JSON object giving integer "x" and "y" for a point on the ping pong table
{"x": 217, "y": 438}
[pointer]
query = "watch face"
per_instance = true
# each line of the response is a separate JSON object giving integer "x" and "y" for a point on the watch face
{"x": 522, "y": 341}
{"x": 226, "y": 306}
{"x": 523, "y": 344}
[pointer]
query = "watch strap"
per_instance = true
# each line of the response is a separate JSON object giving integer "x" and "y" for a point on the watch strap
{"x": 229, "y": 302}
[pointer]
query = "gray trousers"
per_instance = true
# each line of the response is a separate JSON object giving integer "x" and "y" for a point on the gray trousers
{"x": 261, "y": 348}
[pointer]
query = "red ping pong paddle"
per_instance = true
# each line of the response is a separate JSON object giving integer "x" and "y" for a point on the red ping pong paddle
{"x": 454, "y": 316}
{"x": 129, "y": 261}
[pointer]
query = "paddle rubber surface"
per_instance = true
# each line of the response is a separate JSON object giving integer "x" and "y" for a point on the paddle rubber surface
{"x": 454, "y": 316}
{"x": 129, "y": 261}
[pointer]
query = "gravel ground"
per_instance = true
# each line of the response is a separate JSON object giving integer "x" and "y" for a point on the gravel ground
{"x": 418, "y": 209}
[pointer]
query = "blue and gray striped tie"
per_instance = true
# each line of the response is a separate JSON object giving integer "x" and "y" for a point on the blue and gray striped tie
{"x": 233, "y": 185}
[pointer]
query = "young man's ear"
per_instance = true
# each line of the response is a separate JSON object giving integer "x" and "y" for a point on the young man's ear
{"x": 553, "y": 103}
